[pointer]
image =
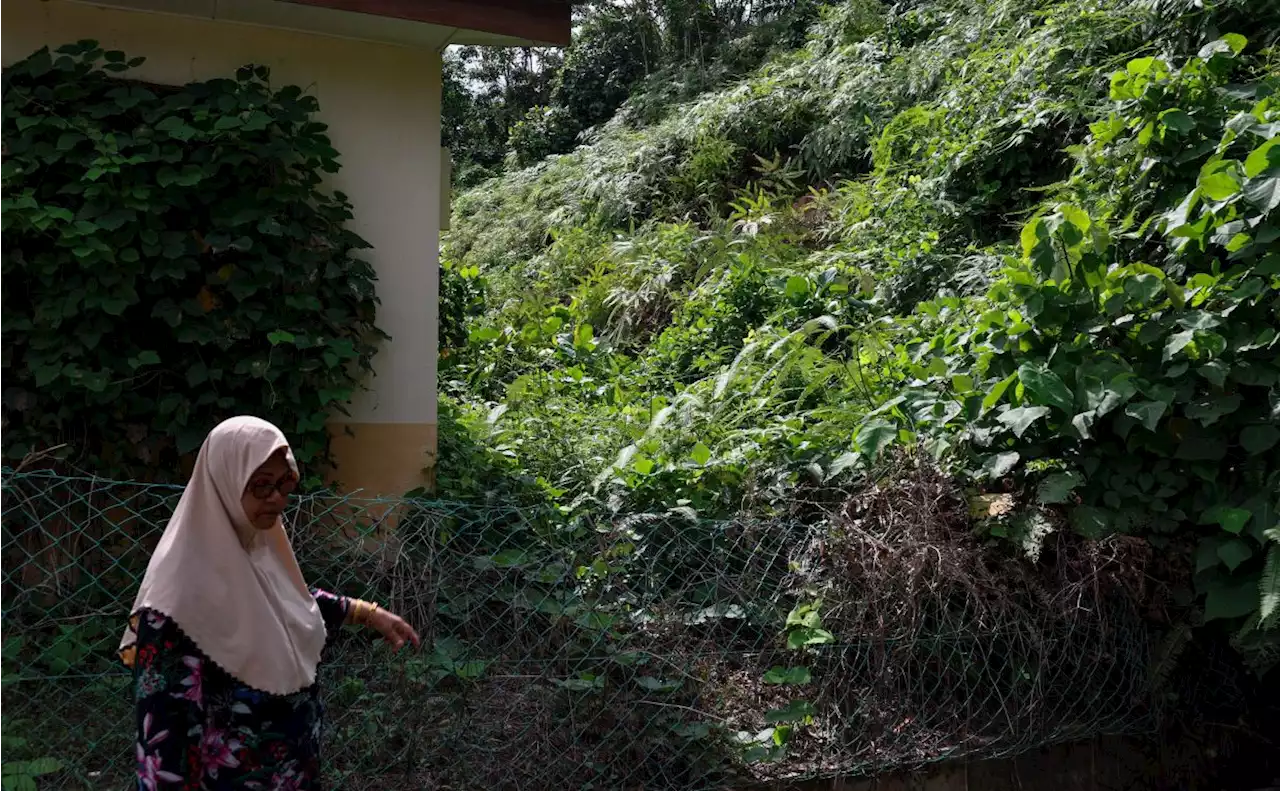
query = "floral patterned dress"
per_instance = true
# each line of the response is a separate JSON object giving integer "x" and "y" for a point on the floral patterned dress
{"x": 199, "y": 729}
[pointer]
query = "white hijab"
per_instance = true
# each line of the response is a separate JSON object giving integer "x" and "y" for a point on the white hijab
{"x": 235, "y": 591}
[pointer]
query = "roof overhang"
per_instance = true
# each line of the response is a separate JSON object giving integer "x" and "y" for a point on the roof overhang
{"x": 542, "y": 21}
{"x": 431, "y": 24}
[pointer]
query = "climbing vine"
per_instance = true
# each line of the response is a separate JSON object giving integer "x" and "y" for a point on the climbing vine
{"x": 171, "y": 258}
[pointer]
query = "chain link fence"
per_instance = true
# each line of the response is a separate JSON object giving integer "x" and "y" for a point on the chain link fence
{"x": 654, "y": 651}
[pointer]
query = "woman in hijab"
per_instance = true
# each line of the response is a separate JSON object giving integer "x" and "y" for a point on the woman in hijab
{"x": 224, "y": 636}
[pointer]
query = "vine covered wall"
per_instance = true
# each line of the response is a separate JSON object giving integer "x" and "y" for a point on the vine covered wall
{"x": 171, "y": 258}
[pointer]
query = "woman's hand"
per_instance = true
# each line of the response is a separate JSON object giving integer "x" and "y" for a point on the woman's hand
{"x": 394, "y": 629}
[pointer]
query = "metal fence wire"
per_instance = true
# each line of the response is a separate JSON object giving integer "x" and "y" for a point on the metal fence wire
{"x": 654, "y": 651}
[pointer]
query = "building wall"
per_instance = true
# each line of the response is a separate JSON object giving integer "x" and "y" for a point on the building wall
{"x": 382, "y": 105}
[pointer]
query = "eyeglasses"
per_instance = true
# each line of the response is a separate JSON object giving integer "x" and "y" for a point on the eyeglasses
{"x": 264, "y": 490}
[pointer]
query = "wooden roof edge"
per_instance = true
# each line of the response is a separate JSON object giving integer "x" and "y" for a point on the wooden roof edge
{"x": 546, "y": 22}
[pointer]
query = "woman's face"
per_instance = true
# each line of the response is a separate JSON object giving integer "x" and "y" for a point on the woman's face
{"x": 268, "y": 492}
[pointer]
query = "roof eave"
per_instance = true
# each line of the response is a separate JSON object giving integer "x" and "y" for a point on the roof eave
{"x": 490, "y": 22}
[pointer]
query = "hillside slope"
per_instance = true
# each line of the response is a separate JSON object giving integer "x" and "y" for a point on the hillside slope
{"x": 1036, "y": 242}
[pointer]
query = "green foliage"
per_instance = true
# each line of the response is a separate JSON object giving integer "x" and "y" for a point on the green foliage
{"x": 171, "y": 259}
{"x": 1058, "y": 282}
{"x": 1145, "y": 393}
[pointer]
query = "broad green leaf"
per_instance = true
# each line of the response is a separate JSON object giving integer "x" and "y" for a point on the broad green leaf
{"x": 788, "y": 675}
{"x": 1233, "y": 597}
{"x": 998, "y": 391}
{"x": 1215, "y": 372}
{"x": 1207, "y": 553}
{"x": 659, "y": 684}
{"x": 643, "y": 465}
{"x": 1263, "y": 158}
{"x": 1218, "y": 181}
{"x": 43, "y": 766}
{"x": 1176, "y": 343}
{"x": 1091, "y": 522}
{"x": 841, "y": 463}
{"x": 1057, "y": 487}
{"x": 1177, "y": 120}
{"x": 1020, "y": 418}
{"x": 700, "y": 454}
{"x": 1263, "y": 192}
{"x": 795, "y": 711}
{"x": 470, "y": 671}
{"x": 1103, "y": 398}
{"x": 17, "y": 782}
{"x": 1257, "y": 439}
{"x": 797, "y": 287}
{"x": 1209, "y": 409}
{"x": 510, "y": 558}
{"x": 999, "y": 464}
{"x": 1046, "y": 387}
{"x": 1148, "y": 413}
{"x": 1233, "y": 520}
{"x": 873, "y": 437}
{"x": 1144, "y": 287}
{"x": 1234, "y": 552}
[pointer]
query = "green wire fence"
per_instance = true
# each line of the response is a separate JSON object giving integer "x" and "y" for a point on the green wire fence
{"x": 649, "y": 651}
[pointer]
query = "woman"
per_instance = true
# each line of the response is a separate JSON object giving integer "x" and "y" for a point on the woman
{"x": 224, "y": 637}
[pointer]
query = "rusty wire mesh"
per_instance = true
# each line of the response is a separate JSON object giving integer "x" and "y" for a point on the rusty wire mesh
{"x": 653, "y": 651}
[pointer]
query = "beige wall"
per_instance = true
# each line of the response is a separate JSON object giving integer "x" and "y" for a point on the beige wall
{"x": 382, "y": 104}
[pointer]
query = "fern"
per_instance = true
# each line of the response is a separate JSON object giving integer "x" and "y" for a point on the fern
{"x": 1269, "y": 589}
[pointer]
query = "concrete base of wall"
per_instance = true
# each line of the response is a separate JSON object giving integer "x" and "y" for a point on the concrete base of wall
{"x": 382, "y": 459}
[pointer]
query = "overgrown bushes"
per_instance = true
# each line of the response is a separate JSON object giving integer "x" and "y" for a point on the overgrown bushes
{"x": 1037, "y": 243}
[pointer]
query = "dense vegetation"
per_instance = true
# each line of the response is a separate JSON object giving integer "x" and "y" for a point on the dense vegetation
{"x": 1034, "y": 242}
{"x": 170, "y": 259}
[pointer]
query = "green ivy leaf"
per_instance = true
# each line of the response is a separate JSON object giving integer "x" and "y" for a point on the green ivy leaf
{"x": 1046, "y": 387}
{"x": 1257, "y": 439}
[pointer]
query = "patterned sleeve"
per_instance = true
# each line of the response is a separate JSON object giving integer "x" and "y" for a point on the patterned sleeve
{"x": 333, "y": 608}
{"x": 169, "y": 698}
